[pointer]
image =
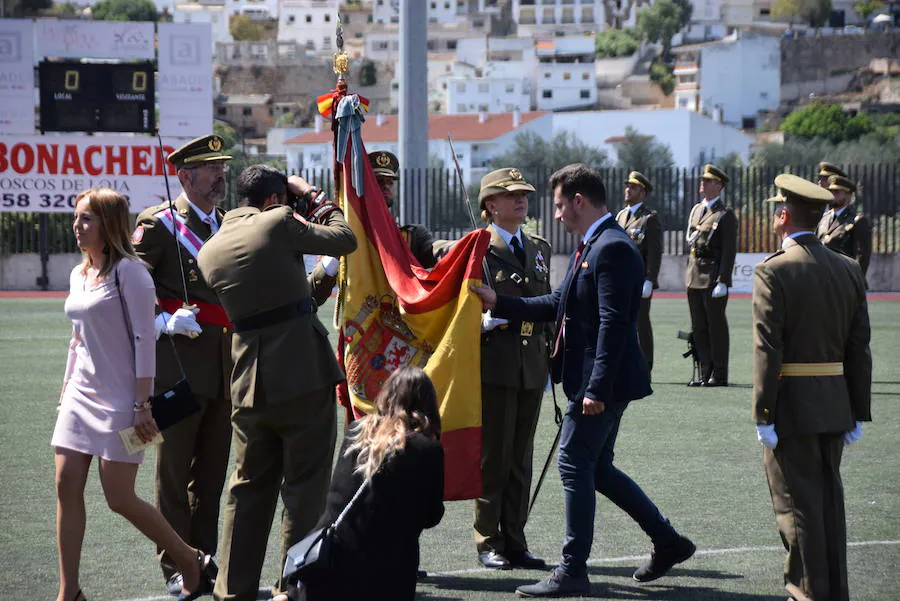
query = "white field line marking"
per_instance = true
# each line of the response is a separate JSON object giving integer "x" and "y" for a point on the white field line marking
{"x": 602, "y": 560}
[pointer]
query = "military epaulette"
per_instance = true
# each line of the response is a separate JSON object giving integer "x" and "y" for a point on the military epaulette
{"x": 538, "y": 238}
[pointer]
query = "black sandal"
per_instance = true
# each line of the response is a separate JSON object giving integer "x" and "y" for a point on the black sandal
{"x": 208, "y": 572}
{"x": 79, "y": 596}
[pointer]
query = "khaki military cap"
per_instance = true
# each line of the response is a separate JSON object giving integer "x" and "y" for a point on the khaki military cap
{"x": 639, "y": 179}
{"x": 792, "y": 188}
{"x": 827, "y": 169}
{"x": 385, "y": 163}
{"x": 839, "y": 182}
{"x": 713, "y": 172}
{"x": 500, "y": 181}
{"x": 205, "y": 149}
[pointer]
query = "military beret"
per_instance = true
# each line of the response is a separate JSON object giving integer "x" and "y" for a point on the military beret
{"x": 385, "y": 163}
{"x": 713, "y": 172}
{"x": 826, "y": 169}
{"x": 839, "y": 182}
{"x": 500, "y": 181}
{"x": 639, "y": 179}
{"x": 794, "y": 189}
{"x": 205, "y": 149}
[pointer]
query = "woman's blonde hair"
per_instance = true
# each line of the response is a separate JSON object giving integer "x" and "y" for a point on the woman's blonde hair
{"x": 111, "y": 212}
{"x": 407, "y": 403}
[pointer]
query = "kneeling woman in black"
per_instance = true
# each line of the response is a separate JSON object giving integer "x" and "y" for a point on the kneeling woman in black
{"x": 376, "y": 550}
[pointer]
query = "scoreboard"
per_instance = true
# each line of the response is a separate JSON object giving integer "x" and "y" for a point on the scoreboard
{"x": 97, "y": 97}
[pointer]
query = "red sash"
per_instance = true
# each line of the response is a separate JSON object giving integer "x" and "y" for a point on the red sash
{"x": 209, "y": 313}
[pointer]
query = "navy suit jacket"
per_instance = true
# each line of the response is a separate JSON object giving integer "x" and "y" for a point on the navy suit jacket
{"x": 599, "y": 298}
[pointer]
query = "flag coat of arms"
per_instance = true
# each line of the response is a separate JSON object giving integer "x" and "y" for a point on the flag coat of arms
{"x": 393, "y": 312}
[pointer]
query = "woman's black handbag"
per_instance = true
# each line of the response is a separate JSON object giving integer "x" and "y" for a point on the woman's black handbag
{"x": 176, "y": 403}
{"x": 313, "y": 555}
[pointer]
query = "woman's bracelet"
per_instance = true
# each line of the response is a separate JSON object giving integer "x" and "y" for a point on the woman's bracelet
{"x": 145, "y": 406}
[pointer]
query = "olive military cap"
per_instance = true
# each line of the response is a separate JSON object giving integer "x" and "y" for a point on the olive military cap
{"x": 639, "y": 179}
{"x": 205, "y": 149}
{"x": 827, "y": 169}
{"x": 385, "y": 163}
{"x": 794, "y": 189}
{"x": 713, "y": 172}
{"x": 500, "y": 181}
{"x": 839, "y": 182}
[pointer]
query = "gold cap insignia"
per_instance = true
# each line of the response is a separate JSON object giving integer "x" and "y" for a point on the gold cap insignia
{"x": 383, "y": 160}
{"x": 515, "y": 174}
{"x": 215, "y": 144}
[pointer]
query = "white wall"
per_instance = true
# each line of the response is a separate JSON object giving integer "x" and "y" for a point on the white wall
{"x": 566, "y": 83}
{"x": 310, "y": 24}
{"x": 215, "y": 15}
{"x": 494, "y": 95}
{"x": 685, "y": 132}
{"x": 744, "y": 77}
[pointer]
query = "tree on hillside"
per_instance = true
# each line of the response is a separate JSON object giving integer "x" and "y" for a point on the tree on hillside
{"x": 614, "y": 43}
{"x": 227, "y": 133}
{"x": 868, "y": 149}
{"x": 813, "y": 12}
{"x": 25, "y": 8}
{"x": 538, "y": 158}
{"x": 659, "y": 22}
{"x": 368, "y": 73}
{"x": 864, "y": 8}
{"x": 642, "y": 153}
{"x": 124, "y": 10}
{"x": 826, "y": 121}
{"x": 244, "y": 29}
{"x": 687, "y": 11}
{"x": 64, "y": 9}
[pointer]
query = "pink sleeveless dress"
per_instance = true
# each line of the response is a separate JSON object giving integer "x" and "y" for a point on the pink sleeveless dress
{"x": 98, "y": 399}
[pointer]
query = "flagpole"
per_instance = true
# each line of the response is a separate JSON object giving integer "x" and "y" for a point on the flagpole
{"x": 459, "y": 174}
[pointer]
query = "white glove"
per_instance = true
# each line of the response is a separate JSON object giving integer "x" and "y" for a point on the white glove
{"x": 767, "y": 436}
{"x": 330, "y": 265}
{"x": 851, "y": 436}
{"x": 720, "y": 290}
{"x": 159, "y": 324}
{"x": 489, "y": 322}
{"x": 184, "y": 322}
{"x": 647, "y": 290}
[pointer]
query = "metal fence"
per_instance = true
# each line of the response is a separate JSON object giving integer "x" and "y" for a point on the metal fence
{"x": 444, "y": 212}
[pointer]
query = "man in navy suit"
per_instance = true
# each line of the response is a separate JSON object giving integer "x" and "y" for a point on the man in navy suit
{"x": 598, "y": 359}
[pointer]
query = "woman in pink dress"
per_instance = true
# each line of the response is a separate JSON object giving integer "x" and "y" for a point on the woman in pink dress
{"x": 108, "y": 381}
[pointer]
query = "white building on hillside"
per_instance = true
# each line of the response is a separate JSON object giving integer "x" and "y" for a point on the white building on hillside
{"x": 476, "y": 138}
{"x": 566, "y": 77}
{"x": 732, "y": 79}
{"x": 214, "y": 13}
{"x": 439, "y": 11}
{"x": 693, "y": 138}
{"x": 570, "y": 17}
{"x": 310, "y": 23}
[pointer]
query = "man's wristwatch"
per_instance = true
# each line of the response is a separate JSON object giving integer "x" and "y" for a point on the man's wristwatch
{"x": 145, "y": 406}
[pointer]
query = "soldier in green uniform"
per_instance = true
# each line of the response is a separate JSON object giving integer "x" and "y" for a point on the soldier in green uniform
{"x": 826, "y": 170}
{"x": 193, "y": 459}
{"x": 642, "y": 225}
{"x": 283, "y": 384}
{"x": 842, "y": 228}
{"x": 712, "y": 237}
{"x": 812, "y": 378}
{"x": 514, "y": 375}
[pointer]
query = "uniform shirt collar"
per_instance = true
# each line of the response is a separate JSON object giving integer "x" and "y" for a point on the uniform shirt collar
{"x": 837, "y": 212}
{"x": 794, "y": 236}
{"x": 508, "y": 236}
{"x": 634, "y": 208}
{"x": 709, "y": 203}
{"x": 213, "y": 218}
{"x": 590, "y": 231}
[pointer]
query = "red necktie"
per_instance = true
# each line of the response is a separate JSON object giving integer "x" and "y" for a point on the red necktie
{"x": 561, "y": 327}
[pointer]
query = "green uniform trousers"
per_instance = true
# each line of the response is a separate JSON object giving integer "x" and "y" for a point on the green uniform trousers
{"x": 808, "y": 497}
{"x": 288, "y": 447}
{"x": 191, "y": 466}
{"x": 710, "y": 327}
{"x": 509, "y": 418}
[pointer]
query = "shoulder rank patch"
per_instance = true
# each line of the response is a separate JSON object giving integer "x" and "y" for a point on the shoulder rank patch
{"x": 137, "y": 235}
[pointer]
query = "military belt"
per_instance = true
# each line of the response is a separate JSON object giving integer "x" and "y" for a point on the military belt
{"x": 811, "y": 369}
{"x": 271, "y": 317}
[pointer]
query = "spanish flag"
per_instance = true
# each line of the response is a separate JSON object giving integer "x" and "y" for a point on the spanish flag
{"x": 393, "y": 312}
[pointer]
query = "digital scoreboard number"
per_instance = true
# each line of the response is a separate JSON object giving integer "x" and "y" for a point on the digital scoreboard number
{"x": 92, "y": 97}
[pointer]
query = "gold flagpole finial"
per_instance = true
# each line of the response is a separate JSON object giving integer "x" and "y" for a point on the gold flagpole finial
{"x": 341, "y": 61}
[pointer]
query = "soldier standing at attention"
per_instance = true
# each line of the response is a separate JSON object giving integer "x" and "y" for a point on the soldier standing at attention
{"x": 514, "y": 371}
{"x": 642, "y": 226}
{"x": 826, "y": 170}
{"x": 812, "y": 378}
{"x": 712, "y": 237}
{"x": 842, "y": 229}
{"x": 283, "y": 384}
{"x": 192, "y": 460}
